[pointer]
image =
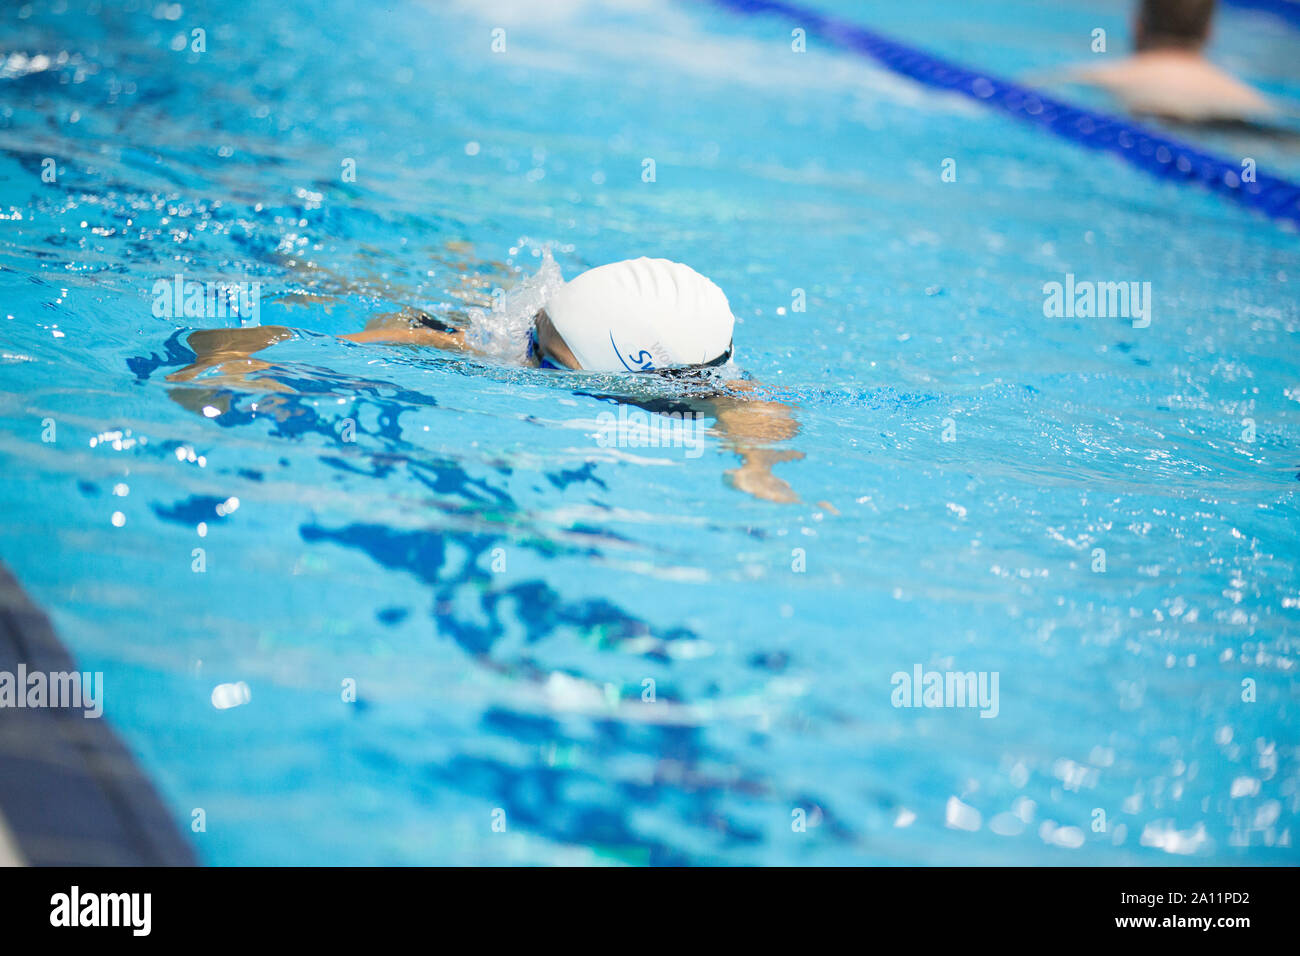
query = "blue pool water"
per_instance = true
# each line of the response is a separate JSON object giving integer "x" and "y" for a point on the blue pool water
{"x": 499, "y": 586}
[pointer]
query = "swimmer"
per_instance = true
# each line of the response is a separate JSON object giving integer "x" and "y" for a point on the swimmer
{"x": 1169, "y": 76}
{"x": 641, "y": 316}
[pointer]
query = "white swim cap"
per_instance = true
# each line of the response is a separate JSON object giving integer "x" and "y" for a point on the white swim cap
{"x": 642, "y": 314}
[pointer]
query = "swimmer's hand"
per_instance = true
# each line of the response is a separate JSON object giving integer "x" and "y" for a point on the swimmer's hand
{"x": 755, "y": 476}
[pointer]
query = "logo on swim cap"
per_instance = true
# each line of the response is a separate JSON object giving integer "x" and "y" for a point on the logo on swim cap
{"x": 643, "y": 361}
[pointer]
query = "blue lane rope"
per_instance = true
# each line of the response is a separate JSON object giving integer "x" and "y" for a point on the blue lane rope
{"x": 1287, "y": 10}
{"x": 1156, "y": 154}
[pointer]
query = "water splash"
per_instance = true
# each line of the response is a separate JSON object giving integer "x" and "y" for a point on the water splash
{"x": 501, "y": 332}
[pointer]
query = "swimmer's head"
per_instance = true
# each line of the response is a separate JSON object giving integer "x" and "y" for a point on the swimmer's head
{"x": 1173, "y": 24}
{"x": 640, "y": 315}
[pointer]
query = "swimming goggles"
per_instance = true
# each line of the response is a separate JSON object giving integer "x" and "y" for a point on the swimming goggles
{"x": 535, "y": 351}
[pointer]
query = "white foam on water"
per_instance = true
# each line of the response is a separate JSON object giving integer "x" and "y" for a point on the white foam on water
{"x": 501, "y": 332}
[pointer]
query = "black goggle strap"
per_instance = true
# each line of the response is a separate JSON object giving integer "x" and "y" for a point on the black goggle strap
{"x": 721, "y": 359}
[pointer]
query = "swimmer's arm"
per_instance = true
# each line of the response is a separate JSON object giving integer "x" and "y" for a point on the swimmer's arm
{"x": 228, "y": 353}
{"x": 397, "y": 328}
{"x": 1189, "y": 89}
{"x": 749, "y": 426}
{"x": 454, "y": 340}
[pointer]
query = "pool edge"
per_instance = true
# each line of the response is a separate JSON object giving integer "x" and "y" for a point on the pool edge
{"x": 70, "y": 791}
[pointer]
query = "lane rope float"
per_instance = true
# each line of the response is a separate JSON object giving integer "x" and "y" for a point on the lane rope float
{"x": 1288, "y": 10}
{"x": 1153, "y": 152}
